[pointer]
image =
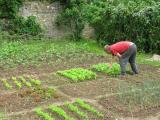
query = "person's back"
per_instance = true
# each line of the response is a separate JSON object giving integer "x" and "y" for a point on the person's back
{"x": 126, "y": 52}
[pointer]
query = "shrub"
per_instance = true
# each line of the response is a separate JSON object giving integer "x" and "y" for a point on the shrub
{"x": 21, "y": 26}
{"x": 122, "y": 20}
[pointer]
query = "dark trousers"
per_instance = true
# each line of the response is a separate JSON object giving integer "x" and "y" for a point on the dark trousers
{"x": 129, "y": 56}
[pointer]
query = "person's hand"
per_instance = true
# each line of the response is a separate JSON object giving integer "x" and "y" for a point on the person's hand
{"x": 119, "y": 55}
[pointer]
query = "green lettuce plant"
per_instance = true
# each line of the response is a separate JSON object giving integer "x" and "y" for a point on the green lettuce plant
{"x": 75, "y": 109}
{"x": 6, "y": 84}
{"x": 77, "y": 74}
{"x": 18, "y": 84}
{"x": 28, "y": 84}
{"x": 88, "y": 107}
{"x": 43, "y": 115}
{"x": 60, "y": 112}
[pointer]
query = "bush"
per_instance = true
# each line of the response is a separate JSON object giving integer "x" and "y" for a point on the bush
{"x": 9, "y": 8}
{"x": 72, "y": 17}
{"x": 20, "y": 25}
{"x": 120, "y": 20}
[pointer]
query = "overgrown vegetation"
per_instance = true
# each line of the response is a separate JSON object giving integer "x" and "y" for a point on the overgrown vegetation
{"x": 144, "y": 96}
{"x": 119, "y": 20}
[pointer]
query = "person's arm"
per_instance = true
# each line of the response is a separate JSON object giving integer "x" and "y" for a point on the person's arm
{"x": 118, "y": 55}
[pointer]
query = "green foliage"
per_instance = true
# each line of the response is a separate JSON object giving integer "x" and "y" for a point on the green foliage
{"x": 111, "y": 69}
{"x": 60, "y": 112}
{"x": 73, "y": 18}
{"x": 75, "y": 109}
{"x": 18, "y": 84}
{"x": 28, "y": 26}
{"x": 44, "y": 92}
{"x": 31, "y": 52}
{"x": 35, "y": 82}
{"x": 9, "y": 8}
{"x": 121, "y": 20}
{"x": 28, "y": 84}
{"x": 145, "y": 95}
{"x": 78, "y": 74}
{"x": 88, "y": 107}
{"x": 6, "y": 84}
{"x": 42, "y": 114}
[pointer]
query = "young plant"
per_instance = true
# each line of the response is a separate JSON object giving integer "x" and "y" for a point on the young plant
{"x": 75, "y": 109}
{"x": 78, "y": 74}
{"x": 60, "y": 112}
{"x": 28, "y": 84}
{"x": 43, "y": 115}
{"x": 113, "y": 69}
{"x": 88, "y": 107}
{"x": 18, "y": 84}
{"x": 35, "y": 82}
{"x": 101, "y": 67}
{"x": 6, "y": 84}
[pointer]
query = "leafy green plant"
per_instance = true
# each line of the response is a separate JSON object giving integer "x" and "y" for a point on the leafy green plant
{"x": 6, "y": 84}
{"x": 88, "y": 107}
{"x": 18, "y": 84}
{"x": 29, "y": 26}
{"x": 35, "y": 82}
{"x": 75, "y": 109}
{"x": 111, "y": 69}
{"x": 28, "y": 84}
{"x": 78, "y": 74}
{"x": 60, "y": 112}
{"x": 42, "y": 114}
{"x": 44, "y": 92}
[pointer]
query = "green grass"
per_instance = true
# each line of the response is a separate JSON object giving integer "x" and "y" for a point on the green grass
{"x": 144, "y": 95}
{"x": 143, "y": 59}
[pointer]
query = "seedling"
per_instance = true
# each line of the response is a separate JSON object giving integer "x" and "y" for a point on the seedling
{"x": 60, "y": 112}
{"x": 18, "y": 84}
{"x": 35, "y": 82}
{"x": 43, "y": 115}
{"x": 6, "y": 84}
{"x": 28, "y": 84}
{"x": 88, "y": 107}
{"x": 75, "y": 109}
{"x": 78, "y": 74}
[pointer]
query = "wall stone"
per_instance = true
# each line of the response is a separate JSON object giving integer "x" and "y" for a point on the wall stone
{"x": 46, "y": 14}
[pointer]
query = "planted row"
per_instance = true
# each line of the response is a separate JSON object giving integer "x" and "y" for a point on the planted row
{"x": 110, "y": 69}
{"x": 75, "y": 108}
{"x": 78, "y": 74}
{"x": 20, "y": 82}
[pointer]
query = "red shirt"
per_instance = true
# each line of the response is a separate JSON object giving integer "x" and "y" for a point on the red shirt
{"x": 120, "y": 47}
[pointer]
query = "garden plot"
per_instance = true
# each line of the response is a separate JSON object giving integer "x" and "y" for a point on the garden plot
{"x": 19, "y": 83}
{"x": 69, "y": 111}
{"x": 110, "y": 69}
{"x": 78, "y": 74}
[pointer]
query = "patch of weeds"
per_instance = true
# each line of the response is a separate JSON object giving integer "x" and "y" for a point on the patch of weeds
{"x": 142, "y": 96}
{"x": 6, "y": 84}
{"x": 77, "y": 74}
{"x": 43, "y": 115}
{"x": 75, "y": 109}
{"x": 110, "y": 69}
{"x": 60, "y": 112}
{"x": 88, "y": 107}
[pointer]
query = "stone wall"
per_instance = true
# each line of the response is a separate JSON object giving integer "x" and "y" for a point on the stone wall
{"x": 46, "y": 14}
